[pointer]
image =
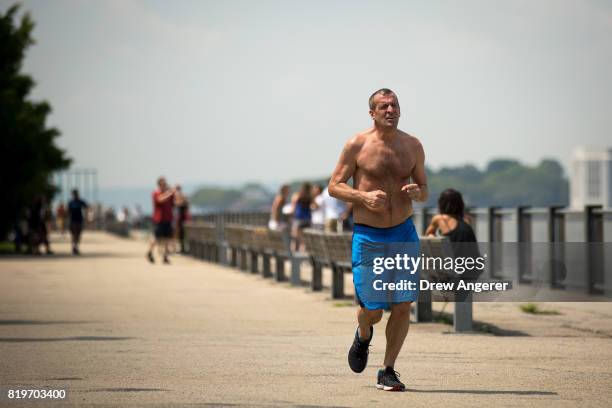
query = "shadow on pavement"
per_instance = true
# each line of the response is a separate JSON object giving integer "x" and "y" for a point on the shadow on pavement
{"x": 42, "y": 322}
{"x": 479, "y": 327}
{"x": 229, "y": 404}
{"x": 126, "y": 390}
{"x": 51, "y": 339}
{"x": 64, "y": 256}
{"x": 498, "y": 331}
{"x": 483, "y": 392}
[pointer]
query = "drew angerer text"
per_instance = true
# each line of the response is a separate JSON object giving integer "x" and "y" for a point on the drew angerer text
{"x": 477, "y": 287}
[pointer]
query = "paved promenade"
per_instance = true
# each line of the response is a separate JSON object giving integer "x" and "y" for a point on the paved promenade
{"x": 116, "y": 330}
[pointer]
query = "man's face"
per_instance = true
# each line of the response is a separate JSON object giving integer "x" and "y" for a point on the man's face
{"x": 163, "y": 186}
{"x": 386, "y": 112}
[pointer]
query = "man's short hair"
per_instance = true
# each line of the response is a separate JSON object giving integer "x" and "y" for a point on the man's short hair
{"x": 381, "y": 91}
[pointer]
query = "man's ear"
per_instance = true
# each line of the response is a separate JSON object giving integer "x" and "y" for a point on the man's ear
{"x": 371, "y": 113}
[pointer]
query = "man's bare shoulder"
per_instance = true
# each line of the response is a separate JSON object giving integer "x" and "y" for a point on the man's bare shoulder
{"x": 356, "y": 142}
{"x": 410, "y": 139}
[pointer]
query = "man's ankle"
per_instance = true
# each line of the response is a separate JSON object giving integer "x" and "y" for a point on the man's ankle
{"x": 367, "y": 337}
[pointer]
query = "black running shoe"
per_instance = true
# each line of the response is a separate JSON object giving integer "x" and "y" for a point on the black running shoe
{"x": 358, "y": 353}
{"x": 150, "y": 257}
{"x": 166, "y": 260}
{"x": 388, "y": 380}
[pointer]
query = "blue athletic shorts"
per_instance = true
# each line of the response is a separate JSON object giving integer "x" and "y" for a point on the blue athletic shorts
{"x": 366, "y": 241}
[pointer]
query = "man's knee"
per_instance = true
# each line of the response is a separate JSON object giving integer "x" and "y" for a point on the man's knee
{"x": 402, "y": 309}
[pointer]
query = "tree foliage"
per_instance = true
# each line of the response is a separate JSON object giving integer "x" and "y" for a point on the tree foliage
{"x": 504, "y": 183}
{"x": 29, "y": 155}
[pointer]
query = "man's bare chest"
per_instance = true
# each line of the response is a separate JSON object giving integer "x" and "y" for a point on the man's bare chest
{"x": 383, "y": 162}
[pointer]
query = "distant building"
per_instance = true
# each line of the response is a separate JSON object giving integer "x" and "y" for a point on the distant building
{"x": 591, "y": 177}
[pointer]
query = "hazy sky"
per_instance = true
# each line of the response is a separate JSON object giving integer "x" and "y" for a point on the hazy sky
{"x": 229, "y": 91}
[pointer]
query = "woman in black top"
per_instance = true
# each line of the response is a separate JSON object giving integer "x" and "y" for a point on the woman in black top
{"x": 451, "y": 222}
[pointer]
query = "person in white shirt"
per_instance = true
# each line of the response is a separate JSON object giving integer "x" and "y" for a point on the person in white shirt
{"x": 334, "y": 211}
{"x": 317, "y": 208}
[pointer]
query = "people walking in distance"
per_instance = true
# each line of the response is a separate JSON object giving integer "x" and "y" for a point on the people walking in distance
{"x": 38, "y": 221}
{"x": 76, "y": 208}
{"x": 317, "y": 208}
{"x": 302, "y": 215}
{"x": 277, "y": 220}
{"x": 48, "y": 220}
{"x": 182, "y": 206}
{"x": 138, "y": 217}
{"x": 387, "y": 166}
{"x": 124, "y": 215}
{"x": 60, "y": 218}
{"x": 163, "y": 203}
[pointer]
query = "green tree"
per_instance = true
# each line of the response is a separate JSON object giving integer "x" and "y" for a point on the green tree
{"x": 498, "y": 165}
{"x": 29, "y": 155}
{"x": 505, "y": 182}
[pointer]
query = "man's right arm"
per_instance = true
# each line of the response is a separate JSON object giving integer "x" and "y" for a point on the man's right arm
{"x": 165, "y": 196}
{"x": 345, "y": 169}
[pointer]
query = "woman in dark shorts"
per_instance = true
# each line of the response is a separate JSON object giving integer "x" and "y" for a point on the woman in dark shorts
{"x": 302, "y": 215}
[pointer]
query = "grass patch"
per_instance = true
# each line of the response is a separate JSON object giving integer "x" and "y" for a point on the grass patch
{"x": 344, "y": 304}
{"x": 442, "y": 317}
{"x": 534, "y": 309}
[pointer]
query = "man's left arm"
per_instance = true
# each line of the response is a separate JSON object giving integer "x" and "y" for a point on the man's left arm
{"x": 417, "y": 191}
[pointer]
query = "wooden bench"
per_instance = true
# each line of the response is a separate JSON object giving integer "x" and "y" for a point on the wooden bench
{"x": 235, "y": 242}
{"x": 277, "y": 247}
{"x": 463, "y": 316}
{"x": 247, "y": 243}
{"x": 202, "y": 240}
{"x": 329, "y": 249}
{"x": 314, "y": 241}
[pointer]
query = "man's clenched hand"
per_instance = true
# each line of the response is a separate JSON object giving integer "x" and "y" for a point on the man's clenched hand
{"x": 413, "y": 190}
{"x": 375, "y": 200}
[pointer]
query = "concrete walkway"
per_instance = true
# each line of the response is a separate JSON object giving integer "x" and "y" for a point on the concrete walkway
{"x": 116, "y": 330}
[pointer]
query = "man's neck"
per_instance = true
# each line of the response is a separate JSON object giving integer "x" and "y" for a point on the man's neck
{"x": 385, "y": 133}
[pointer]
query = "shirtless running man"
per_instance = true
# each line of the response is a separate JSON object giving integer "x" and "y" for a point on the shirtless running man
{"x": 388, "y": 171}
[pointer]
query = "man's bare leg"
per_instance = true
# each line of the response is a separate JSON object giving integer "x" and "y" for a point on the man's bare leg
{"x": 396, "y": 331}
{"x": 152, "y": 245}
{"x": 151, "y": 248}
{"x": 367, "y": 318}
{"x": 166, "y": 246}
{"x": 359, "y": 351}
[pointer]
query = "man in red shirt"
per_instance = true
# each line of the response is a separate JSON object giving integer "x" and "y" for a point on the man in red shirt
{"x": 163, "y": 203}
